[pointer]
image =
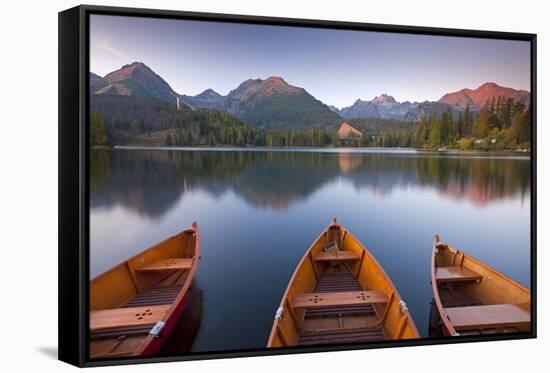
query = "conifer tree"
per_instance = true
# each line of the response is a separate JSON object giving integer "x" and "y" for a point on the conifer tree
{"x": 97, "y": 129}
{"x": 482, "y": 125}
{"x": 435, "y": 130}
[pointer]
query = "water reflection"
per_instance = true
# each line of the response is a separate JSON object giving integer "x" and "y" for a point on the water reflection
{"x": 259, "y": 211}
{"x": 150, "y": 182}
{"x": 182, "y": 338}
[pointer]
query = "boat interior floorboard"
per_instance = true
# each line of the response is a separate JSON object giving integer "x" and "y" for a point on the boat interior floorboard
{"x": 344, "y": 281}
{"x": 155, "y": 296}
{"x": 489, "y": 331}
{"x": 452, "y": 297}
{"x": 344, "y": 336}
{"x": 123, "y": 340}
{"x": 334, "y": 283}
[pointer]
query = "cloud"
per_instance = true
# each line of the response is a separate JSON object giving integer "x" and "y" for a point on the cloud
{"x": 112, "y": 50}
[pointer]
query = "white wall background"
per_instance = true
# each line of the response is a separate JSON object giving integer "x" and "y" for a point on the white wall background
{"x": 28, "y": 186}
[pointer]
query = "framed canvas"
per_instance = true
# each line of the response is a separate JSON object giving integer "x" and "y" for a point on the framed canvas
{"x": 240, "y": 186}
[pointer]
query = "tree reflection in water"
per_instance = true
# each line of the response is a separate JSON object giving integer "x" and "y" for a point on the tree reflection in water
{"x": 151, "y": 181}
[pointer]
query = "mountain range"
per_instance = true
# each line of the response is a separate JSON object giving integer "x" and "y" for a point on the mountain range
{"x": 477, "y": 98}
{"x": 268, "y": 103}
{"x": 135, "y": 79}
{"x": 274, "y": 103}
{"x": 386, "y": 107}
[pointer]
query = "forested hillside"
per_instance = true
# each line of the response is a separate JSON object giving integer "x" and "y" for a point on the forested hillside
{"x": 501, "y": 124}
{"x": 134, "y": 120}
{"x": 136, "y": 106}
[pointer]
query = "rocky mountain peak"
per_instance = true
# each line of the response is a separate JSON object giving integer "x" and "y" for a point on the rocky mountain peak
{"x": 384, "y": 99}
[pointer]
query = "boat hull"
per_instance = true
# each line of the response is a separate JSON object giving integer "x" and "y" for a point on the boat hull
{"x": 339, "y": 293}
{"x": 135, "y": 306}
{"x": 156, "y": 344}
{"x": 473, "y": 298}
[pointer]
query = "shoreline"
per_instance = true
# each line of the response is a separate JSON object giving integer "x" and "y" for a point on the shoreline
{"x": 335, "y": 150}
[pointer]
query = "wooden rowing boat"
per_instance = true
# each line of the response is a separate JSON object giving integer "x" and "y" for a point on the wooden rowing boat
{"x": 473, "y": 298}
{"x": 135, "y": 305}
{"x": 339, "y": 293}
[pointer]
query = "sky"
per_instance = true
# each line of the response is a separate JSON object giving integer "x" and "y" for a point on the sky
{"x": 335, "y": 66}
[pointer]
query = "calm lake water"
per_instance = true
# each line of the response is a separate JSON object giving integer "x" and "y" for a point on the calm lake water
{"x": 258, "y": 211}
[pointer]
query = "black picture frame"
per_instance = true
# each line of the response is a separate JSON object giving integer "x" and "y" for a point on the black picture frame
{"x": 74, "y": 184}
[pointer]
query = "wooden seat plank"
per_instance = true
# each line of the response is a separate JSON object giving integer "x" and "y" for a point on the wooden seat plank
{"x": 336, "y": 255}
{"x": 489, "y": 316}
{"x": 348, "y": 298}
{"x": 455, "y": 274}
{"x": 127, "y": 317}
{"x": 167, "y": 264}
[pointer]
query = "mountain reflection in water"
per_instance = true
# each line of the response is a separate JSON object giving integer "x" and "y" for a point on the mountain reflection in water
{"x": 151, "y": 181}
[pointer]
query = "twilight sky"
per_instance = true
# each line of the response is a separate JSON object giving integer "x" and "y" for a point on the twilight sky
{"x": 335, "y": 66}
